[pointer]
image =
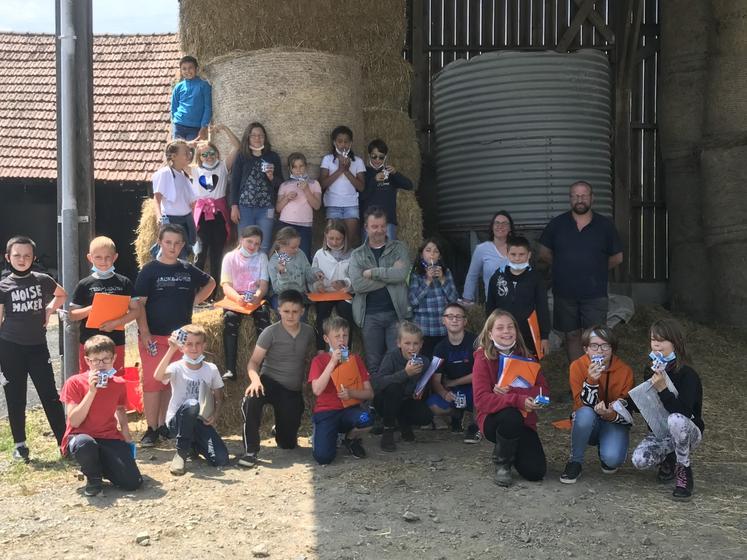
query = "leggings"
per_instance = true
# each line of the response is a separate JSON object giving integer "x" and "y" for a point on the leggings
{"x": 18, "y": 363}
{"x": 684, "y": 436}
{"x": 212, "y": 234}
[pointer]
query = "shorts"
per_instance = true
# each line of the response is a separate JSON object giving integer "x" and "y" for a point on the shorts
{"x": 184, "y": 132}
{"x": 119, "y": 355}
{"x": 342, "y": 213}
{"x": 150, "y": 363}
{"x": 575, "y": 314}
{"x": 443, "y": 404}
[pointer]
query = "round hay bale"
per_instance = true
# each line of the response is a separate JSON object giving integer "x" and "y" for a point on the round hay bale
{"x": 387, "y": 82}
{"x": 398, "y": 131}
{"x": 147, "y": 233}
{"x": 475, "y": 318}
{"x": 299, "y": 96}
{"x": 409, "y": 220}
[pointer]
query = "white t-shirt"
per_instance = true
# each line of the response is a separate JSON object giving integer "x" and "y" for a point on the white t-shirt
{"x": 205, "y": 184}
{"x": 342, "y": 192}
{"x": 176, "y": 190}
{"x": 185, "y": 383}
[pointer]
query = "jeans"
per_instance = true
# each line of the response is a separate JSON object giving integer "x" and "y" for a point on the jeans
{"x": 106, "y": 458}
{"x": 288, "y": 407}
{"x": 213, "y": 237}
{"x": 191, "y": 432}
{"x": 262, "y": 217}
{"x": 305, "y": 232}
{"x": 396, "y": 406}
{"x": 529, "y": 461}
{"x": 379, "y": 332}
{"x": 188, "y": 224}
{"x": 18, "y": 363}
{"x": 590, "y": 429}
{"x": 435, "y": 400}
{"x": 342, "y": 213}
{"x": 184, "y": 132}
{"x": 329, "y": 423}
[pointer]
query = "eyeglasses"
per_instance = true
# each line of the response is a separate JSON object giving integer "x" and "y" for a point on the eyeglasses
{"x": 597, "y": 347}
{"x": 377, "y": 157}
{"x": 209, "y": 153}
{"x": 98, "y": 362}
{"x": 454, "y": 317}
{"x": 502, "y": 224}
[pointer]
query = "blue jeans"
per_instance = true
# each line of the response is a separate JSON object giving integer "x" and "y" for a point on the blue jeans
{"x": 342, "y": 213}
{"x": 590, "y": 429}
{"x": 184, "y": 132}
{"x": 190, "y": 432}
{"x": 305, "y": 233}
{"x": 188, "y": 223}
{"x": 329, "y": 423}
{"x": 262, "y": 217}
{"x": 437, "y": 401}
{"x": 106, "y": 458}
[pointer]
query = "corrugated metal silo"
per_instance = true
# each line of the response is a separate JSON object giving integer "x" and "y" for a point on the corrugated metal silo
{"x": 515, "y": 129}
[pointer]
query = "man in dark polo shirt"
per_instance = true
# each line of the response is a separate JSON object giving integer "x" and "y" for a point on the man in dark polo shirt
{"x": 582, "y": 247}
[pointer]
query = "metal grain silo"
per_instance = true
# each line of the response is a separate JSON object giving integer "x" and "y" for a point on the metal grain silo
{"x": 515, "y": 129}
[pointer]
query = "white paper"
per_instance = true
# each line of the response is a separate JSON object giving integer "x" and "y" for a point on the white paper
{"x": 426, "y": 377}
{"x": 646, "y": 398}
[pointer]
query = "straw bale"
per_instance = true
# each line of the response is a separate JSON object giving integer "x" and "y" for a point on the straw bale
{"x": 475, "y": 318}
{"x": 398, "y": 131}
{"x": 366, "y": 31}
{"x": 147, "y": 233}
{"x": 409, "y": 220}
{"x": 387, "y": 82}
{"x": 298, "y": 95}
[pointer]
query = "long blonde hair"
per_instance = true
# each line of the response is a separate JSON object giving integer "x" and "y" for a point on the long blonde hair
{"x": 486, "y": 343}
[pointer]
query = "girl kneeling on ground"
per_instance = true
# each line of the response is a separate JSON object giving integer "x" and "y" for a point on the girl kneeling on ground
{"x": 507, "y": 415}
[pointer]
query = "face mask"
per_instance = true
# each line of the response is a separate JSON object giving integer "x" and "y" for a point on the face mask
{"x": 194, "y": 361}
{"x": 378, "y": 165}
{"x": 102, "y": 274}
{"x": 17, "y": 272}
{"x": 504, "y": 349}
{"x": 660, "y": 357}
{"x": 300, "y": 177}
{"x": 244, "y": 253}
{"x": 518, "y": 266}
{"x": 257, "y": 148}
{"x": 338, "y": 254}
{"x": 205, "y": 165}
{"x": 343, "y": 153}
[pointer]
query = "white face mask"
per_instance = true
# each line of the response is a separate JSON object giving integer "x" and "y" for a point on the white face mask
{"x": 244, "y": 253}
{"x": 300, "y": 177}
{"x": 518, "y": 266}
{"x": 504, "y": 349}
{"x": 378, "y": 165}
{"x": 343, "y": 153}
{"x": 102, "y": 274}
{"x": 194, "y": 361}
{"x": 207, "y": 166}
{"x": 257, "y": 148}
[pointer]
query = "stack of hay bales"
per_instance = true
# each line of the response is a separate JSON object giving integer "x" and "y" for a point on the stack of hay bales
{"x": 147, "y": 233}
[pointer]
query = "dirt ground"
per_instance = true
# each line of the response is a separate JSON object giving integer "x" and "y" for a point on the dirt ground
{"x": 290, "y": 508}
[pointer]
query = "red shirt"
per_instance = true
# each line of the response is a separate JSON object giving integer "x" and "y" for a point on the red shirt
{"x": 329, "y": 400}
{"x": 100, "y": 422}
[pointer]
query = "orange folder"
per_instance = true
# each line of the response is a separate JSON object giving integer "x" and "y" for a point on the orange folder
{"x": 564, "y": 424}
{"x": 534, "y": 327}
{"x": 106, "y": 307}
{"x": 347, "y": 374}
{"x": 246, "y": 309}
{"x": 329, "y": 296}
{"x": 517, "y": 372}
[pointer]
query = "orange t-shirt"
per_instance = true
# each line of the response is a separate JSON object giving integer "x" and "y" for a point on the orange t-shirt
{"x": 614, "y": 383}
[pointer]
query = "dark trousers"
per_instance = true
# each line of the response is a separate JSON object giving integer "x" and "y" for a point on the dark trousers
{"x": 288, "y": 407}
{"x": 379, "y": 331}
{"x": 396, "y": 406}
{"x": 191, "y": 432}
{"x": 305, "y": 232}
{"x": 231, "y": 324}
{"x": 18, "y": 362}
{"x": 212, "y": 235}
{"x": 530, "y": 459}
{"x": 323, "y": 310}
{"x": 106, "y": 458}
{"x": 329, "y": 423}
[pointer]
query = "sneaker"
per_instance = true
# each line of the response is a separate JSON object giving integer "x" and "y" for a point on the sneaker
{"x": 683, "y": 487}
{"x": 248, "y": 460}
{"x": 571, "y": 473}
{"x": 273, "y": 431}
{"x": 387, "y": 440}
{"x": 666, "y": 469}
{"x": 472, "y": 434}
{"x": 21, "y": 454}
{"x": 456, "y": 425}
{"x": 606, "y": 469}
{"x": 94, "y": 486}
{"x": 150, "y": 438}
{"x": 178, "y": 465}
{"x": 355, "y": 447}
{"x": 229, "y": 375}
{"x": 163, "y": 431}
{"x": 407, "y": 433}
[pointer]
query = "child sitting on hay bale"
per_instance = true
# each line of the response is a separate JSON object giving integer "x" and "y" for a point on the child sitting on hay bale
{"x": 342, "y": 178}
{"x": 191, "y": 103}
{"x": 245, "y": 280}
{"x": 297, "y": 200}
{"x": 281, "y": 351}
{"x": 196, "y": 398}
{"x": 340, "y": 382}
{"x": 381, "y": 183}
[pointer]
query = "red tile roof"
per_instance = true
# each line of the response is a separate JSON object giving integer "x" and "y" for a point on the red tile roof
{"x": 132, "y": 80}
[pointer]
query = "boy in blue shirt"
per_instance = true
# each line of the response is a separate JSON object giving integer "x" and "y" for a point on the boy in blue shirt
{"x": 191, "y": 103}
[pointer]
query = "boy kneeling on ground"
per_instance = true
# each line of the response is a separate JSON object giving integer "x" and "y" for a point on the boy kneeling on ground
{"x": 96, "y": 401}
{"x": 192, "y": 380}
{"x": 340, "y": 382}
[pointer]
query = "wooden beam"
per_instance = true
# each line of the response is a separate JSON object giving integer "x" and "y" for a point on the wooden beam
{"x": 599, "y": 23}
{"x": 570, "y": 33}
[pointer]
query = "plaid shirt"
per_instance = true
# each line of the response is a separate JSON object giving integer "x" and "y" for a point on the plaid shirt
{"x": 428, "y": 302}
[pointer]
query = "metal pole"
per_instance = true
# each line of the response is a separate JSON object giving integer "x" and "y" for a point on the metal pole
{"x": 69, "y": 205}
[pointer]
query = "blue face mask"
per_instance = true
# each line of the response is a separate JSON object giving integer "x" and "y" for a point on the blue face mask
{"x": 518, "y": 266}
{"x": 194, "y": 362}
{"x": 103, "y": 274}
{"x": 660, "y": 357}
{"x": 244, "y": 253}
{"x": 300, "y": 177}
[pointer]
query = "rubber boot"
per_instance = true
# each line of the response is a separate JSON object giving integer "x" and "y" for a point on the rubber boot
{"x": 503, "y": 457}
